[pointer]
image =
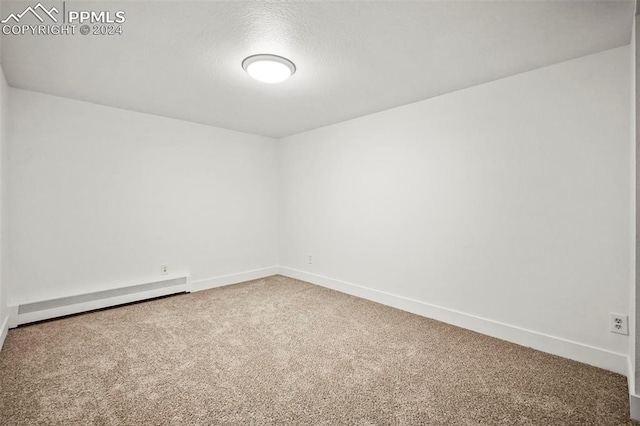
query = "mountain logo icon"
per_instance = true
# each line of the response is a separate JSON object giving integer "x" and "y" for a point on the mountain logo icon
{"x": 38, "y": 11}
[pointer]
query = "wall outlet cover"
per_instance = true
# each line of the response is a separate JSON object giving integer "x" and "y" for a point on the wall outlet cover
{"x": 619, "y": 324}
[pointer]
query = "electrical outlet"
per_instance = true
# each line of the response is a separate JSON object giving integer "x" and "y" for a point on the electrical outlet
{"x": 310, "y": 259}
{"x": 619, "y": 324}
{"x": 164, "y": 269}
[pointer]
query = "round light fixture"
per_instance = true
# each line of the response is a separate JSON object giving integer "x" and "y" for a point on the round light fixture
{"x": 269, "y": 68}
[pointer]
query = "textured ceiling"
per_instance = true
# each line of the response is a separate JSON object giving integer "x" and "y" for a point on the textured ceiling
{"x": 182, "y": 59}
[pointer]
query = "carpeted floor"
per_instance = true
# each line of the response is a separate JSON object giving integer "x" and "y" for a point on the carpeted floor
{"x": 280, "y": 351}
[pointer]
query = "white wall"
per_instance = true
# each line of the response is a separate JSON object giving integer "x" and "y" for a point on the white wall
{"x": 4, "y": 141}
{"x": 635, "y": 126}
{"x": 100, "y": 196}
{"x": 508, "y": 201}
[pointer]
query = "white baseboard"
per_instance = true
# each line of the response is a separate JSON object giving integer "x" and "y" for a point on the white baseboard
{"x": 634, "y": 400}
{"x": 634, "y": 406}
{"x": 16, "y": 318}
{"x": 233, "y": 278}
{"x": 598, "y": 357}
{"x": 13, "y": 314}
{"x": 4, "y": 329}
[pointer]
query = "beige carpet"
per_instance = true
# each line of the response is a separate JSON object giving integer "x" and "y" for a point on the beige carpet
{"x": 280, "y": 351}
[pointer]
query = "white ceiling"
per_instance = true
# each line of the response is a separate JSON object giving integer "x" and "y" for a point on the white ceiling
{"x": 182, "y": 59}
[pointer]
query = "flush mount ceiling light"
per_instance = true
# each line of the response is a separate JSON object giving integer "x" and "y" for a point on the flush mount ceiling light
{"x": 269, "y": 68}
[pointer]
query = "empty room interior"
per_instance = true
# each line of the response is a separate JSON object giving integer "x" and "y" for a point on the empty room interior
{"x": 319, "y": 212}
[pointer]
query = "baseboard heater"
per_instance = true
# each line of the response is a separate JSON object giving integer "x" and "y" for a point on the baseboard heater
{"x": 53, "y": 308}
